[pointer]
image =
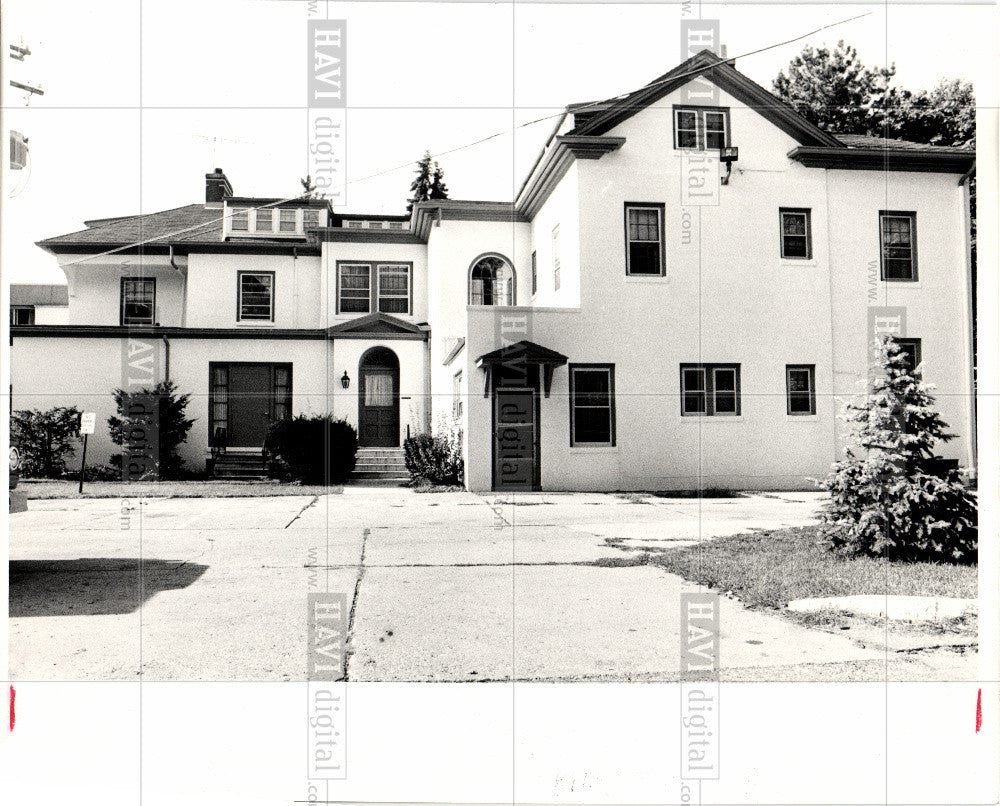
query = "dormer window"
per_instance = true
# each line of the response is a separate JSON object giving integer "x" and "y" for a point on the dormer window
{"x": 264, "y": 218}
{"x": 701, "y": 128}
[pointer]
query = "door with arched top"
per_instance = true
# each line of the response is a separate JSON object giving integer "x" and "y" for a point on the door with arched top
{"x": 378, "y": 399}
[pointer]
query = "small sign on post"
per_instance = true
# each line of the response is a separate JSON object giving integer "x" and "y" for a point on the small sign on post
{"x": 88, "y": 424}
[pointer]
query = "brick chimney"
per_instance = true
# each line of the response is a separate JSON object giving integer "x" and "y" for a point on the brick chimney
{"x": 217, "y": 187}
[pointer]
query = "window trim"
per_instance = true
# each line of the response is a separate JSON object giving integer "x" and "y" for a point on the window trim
{"x": 534, "y": 273}
{"x": 807, "y": 212}
{"x": 240, "y": 274}
{"x": 377, "y": 286}
{"x": 912, "y": 216}
{"x": 709, "y": 391}
{"x": 573, "y": 442}
{"x": 660, "y": 209}
{"x": 700, "y": 125}
{"x": 457, "y": 398}
{"x": 811, "y": 370}
{"x": 16, "y": 309}
{"x": 513, "y": 280}
{"x": 374, "y": 297}
{"x": 121, "y": 304}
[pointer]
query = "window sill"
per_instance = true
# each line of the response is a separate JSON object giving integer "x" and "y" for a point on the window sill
{"x": 255, "y": 323}
{"x": 592, "y": 448}
{"x": 646, "y": 279}
{"x": 796, "y": 261}
{"x": 713, "y": 418}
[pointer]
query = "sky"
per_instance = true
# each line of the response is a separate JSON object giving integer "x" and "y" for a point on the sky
{"x": 135, "y": 91}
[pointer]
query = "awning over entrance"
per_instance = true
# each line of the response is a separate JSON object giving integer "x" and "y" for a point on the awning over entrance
{"x": 518, "y": 358}
{"x": 378, "y": 326}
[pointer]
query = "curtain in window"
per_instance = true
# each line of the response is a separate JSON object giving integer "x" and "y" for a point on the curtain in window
{"x": 378, "y": 389}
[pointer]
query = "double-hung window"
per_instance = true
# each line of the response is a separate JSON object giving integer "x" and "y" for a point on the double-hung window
{"x": 701, "y": 128}
{"x": 286, "y": 220}
{"x": 796, "y": 235}
{"x": 393, "y": 288}
{"x": 138, "y": 301}
{"x": 592, "y": 404}
{"x": 710, "y": 390}
{"x": 240, "y": 221}
{"x": 256, "y": 296}
{"x": 800, "y": 385}
{"x": 265, "y": 217}
{"x": 898, "y": 234}
{"x": 370, "y": 287}
{"x": 644, "y": 239}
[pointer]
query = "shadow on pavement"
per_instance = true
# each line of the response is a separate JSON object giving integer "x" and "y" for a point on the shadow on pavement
{"x": 97, "y": 586}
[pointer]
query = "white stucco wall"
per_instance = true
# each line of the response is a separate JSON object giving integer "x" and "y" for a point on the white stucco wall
{"x": 95, "y": 288}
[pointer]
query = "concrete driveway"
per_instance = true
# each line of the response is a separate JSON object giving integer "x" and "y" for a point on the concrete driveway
{"x": 451, "y": 586}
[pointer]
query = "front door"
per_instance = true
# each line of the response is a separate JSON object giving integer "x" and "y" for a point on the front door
{"x": 515, "y": 439}
{"x": 244, "y": 399}
{"x": 249, "y": 404}
{"x": 378, "y": 400}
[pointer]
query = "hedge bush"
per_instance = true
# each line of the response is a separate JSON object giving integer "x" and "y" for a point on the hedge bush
{"x": 435, "y": 459}
{"x": 312, "y": 449}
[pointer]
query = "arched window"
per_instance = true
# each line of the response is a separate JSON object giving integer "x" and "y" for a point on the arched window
{"x": 491, "y": 281}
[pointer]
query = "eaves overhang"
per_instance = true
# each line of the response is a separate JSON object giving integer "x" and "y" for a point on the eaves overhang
{"x": 425, "y": 214}
{"x": 553, "y": 167}
{"x": 932, "y": 160}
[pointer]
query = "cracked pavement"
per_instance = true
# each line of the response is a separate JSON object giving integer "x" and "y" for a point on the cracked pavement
{"x": 445, "y": 587}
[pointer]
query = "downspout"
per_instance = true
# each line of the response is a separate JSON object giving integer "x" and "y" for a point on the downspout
{"x": 184, "y": 289}
{"x": 166, "y": 360}
{"x": 973, "y": 452}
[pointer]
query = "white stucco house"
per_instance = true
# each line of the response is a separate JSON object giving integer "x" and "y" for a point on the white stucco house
{"x": 643, "y": 315}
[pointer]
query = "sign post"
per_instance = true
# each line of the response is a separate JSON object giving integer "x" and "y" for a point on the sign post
{"x": 88, "y": 423}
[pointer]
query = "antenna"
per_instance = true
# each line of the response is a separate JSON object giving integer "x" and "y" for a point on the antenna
{"x": 215, "y": 140}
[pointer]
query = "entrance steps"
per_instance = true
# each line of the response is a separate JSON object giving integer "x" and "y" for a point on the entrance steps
{"x": 385, "y": 465}
{"x": 240, "y": 467}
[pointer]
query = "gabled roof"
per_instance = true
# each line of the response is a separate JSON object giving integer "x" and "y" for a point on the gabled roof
{"x": 723, "y": 75}
{"x": 377, "y": 325}
{"x": 522, "y": 352}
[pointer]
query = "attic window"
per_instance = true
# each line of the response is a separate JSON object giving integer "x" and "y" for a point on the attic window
{"x": 701, "y": 128}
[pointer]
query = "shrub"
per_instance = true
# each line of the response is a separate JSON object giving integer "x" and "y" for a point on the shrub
{"x": 313, "y": 450}
{"x": 94, "y": 473}
{"x": 46, "y": 438}
{"x": 171, "y": 428}
{"x": 892, "y": 496}
{"x": 435, "y": 459}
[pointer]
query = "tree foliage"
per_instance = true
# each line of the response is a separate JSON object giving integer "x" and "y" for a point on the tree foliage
{"x": 46, "y": 439}
{"x": 428, "y": 184}
{"x": 169, "y": 431}
{"x": 892, "y": 496}
{"x": 840, "y": 94}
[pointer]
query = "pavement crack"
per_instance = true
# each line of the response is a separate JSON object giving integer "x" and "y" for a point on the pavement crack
{"x": 304, "y": 508}
{"x": 348, "y": 648}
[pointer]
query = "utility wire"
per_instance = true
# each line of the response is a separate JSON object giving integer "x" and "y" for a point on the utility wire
{"x": 474, "y": 143}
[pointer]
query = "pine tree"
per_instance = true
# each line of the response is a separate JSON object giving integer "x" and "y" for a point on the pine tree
{"x": 428, "y": 183}
{"x": 309, "y": 187}
{"x": 892, "y": 496}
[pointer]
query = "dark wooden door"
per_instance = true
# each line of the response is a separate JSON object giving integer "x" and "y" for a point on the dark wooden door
{"x": 378, "y": 407}
{"x": 250, "y": 395}
{"x": 515, "y": 440}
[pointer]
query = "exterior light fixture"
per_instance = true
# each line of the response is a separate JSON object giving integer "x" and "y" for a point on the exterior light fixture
{"x": 728, "y": 155}
{"x": 345, "y": 381}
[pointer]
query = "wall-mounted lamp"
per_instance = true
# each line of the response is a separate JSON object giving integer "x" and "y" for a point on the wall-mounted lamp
{"x": 345, "y": 381}
{"x": 729, "y": 156}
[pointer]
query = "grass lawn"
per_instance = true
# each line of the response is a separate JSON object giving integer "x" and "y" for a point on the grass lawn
{"x": 772, "y": 568}
{"x": 45, "y": 488}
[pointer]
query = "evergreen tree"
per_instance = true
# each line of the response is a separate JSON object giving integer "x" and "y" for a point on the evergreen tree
{"x": 428, "y": 183}
{"x": 892, "y": 496}
{"x": 309, "y": 187}
{"x": 170, "y": 429}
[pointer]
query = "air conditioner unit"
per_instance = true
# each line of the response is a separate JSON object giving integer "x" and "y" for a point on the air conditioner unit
{"x": 18, "y": 150}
